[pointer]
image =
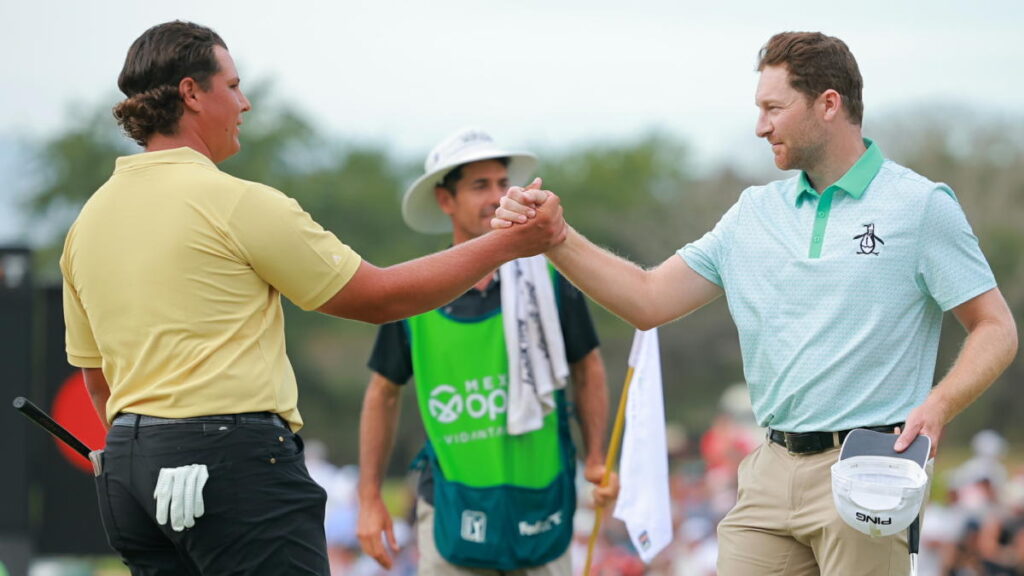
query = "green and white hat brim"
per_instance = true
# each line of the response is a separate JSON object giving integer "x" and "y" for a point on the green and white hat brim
{"x": 419, "y": 207}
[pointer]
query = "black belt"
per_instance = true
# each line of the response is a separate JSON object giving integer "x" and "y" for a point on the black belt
{"x": 127, "y": 419}
{"x": 814, "y": 442}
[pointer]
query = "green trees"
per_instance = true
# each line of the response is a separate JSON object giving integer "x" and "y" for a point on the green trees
{"x": 641, "y": 199}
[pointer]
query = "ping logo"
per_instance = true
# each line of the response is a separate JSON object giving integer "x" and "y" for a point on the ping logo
{"x": 474, "y": 526}
{"x": 868, "y": 241}
{"x": 645, "y": 540}
{"x": 877, "y": 520}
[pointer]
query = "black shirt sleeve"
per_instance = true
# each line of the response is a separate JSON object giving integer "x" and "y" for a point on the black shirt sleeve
{"x": 577, "y": 326}
{"x": 392, "y": 356}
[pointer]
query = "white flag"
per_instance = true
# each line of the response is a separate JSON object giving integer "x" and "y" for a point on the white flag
{"x": 644, "y": 503}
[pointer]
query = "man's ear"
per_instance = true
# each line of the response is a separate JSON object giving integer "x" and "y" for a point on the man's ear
{"x": 189, "y": 90}
{"x": 832, "y": 102}
{"x": 445, "y": 199}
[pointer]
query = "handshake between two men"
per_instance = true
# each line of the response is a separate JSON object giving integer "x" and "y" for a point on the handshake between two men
{"x": 521, "y": 204}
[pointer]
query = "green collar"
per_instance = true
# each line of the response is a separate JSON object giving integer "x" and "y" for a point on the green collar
{"x": 856, "y": 179}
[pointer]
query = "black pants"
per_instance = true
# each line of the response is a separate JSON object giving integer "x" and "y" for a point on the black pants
{"x": 264, "y": 514}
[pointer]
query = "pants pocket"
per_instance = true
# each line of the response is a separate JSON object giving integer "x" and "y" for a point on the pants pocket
{"x": 286, "y": 446}
{"x": 106, "y": 512}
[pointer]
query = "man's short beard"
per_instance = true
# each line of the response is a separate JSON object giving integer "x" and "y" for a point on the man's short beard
{"x": 806, "y": 158}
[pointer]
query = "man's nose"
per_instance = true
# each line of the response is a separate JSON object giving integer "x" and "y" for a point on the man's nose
{"x": 497, "y": 191}
{"x": 763, "y": 127}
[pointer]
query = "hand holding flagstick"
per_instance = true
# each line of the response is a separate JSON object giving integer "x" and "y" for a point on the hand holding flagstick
{"x": 605, "y": 481}
{"x": 613, "y": 454}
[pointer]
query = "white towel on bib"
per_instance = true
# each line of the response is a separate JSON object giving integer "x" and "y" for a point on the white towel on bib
{"x": 533, "y": 337}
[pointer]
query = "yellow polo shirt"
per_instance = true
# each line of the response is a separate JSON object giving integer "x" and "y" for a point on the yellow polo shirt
{"x": 173, "y": 273}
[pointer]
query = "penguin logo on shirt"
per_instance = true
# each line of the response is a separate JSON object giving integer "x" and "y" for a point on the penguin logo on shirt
{"x": 868, "y": 241}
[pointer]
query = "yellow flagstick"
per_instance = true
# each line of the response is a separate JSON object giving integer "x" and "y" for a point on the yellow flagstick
{"x": 610, "y": 459}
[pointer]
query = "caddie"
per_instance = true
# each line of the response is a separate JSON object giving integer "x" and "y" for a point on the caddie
{"x": 496, "y": 489}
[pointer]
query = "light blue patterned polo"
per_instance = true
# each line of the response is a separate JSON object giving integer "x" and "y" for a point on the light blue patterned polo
{"x": 838, "y": 297}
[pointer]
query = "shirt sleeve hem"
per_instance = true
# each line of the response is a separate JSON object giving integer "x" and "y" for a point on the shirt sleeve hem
{"x": 696, "y": 267}
{"x": 951, "y": 303}
{"x": 85, "y": 361}
{"x": 333, "y": 286}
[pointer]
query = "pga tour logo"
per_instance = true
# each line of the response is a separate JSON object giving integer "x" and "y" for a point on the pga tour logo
{"x": 474, "y": 526}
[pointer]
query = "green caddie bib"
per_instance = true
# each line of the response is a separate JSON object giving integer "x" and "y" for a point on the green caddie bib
{"x": 501, "y": 502}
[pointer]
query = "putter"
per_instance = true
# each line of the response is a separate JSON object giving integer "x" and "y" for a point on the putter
{"x": 36, "y": 414}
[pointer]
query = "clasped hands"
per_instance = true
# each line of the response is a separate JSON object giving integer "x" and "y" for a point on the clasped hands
{"x": 521, "y": 205}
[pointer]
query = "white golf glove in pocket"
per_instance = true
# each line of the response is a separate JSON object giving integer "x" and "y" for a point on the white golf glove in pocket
{"x": 179, "y": 495}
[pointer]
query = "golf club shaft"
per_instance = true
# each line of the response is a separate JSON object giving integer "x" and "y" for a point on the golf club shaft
{"x": 914, "y": 535}
{"x": 34, "y": 413}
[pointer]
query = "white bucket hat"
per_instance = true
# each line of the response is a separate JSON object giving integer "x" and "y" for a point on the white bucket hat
{"x": 419, "y": 207}
{"x": 877, "y": 490}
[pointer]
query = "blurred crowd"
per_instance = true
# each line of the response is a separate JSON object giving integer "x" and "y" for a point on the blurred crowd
{"x": 973, "y": 527}
{"x": 977, "y": 529}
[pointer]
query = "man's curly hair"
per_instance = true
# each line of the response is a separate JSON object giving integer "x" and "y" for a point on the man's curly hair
{"x": 156, "y": 63}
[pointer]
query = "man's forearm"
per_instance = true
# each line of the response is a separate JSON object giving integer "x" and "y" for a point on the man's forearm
{"x": 612, "y": 281}
{"x": 432, "y": 281}
{"x": 591, "y": 397}
{"x": 378, "y": 423}
{"x": 989, "y": 348}
{"x": 380, "y": 295}
{"x": 644, "y": 298}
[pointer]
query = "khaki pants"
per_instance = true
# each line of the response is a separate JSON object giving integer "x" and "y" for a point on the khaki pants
{"x": 433, "y": 564}
{"x": 785, "y": 523}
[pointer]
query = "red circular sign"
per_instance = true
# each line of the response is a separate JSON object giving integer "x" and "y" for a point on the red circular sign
{"x": 72, "y": 409}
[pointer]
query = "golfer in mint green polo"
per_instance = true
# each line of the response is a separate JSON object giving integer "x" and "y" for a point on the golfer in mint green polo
{"x": 837, "y": 280}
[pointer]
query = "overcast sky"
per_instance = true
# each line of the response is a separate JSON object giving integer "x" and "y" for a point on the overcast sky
{"x": 543, "y": 74}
